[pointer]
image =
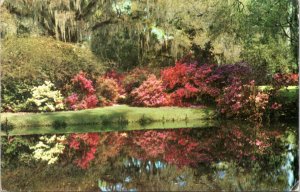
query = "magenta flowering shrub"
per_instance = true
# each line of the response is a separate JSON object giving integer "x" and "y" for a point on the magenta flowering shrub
{"x": 276, "y": 106}
{"x": 240, "y": 100}
{"x": 205, "y": 80}
{"x": 82, "y": 84}
{"x": 225, "y": 74}
{"x": 150, "y": 93}
{"x": 85, "y": 97}
{"x": 72, "y": 100}
{"x": 230, "y": 103}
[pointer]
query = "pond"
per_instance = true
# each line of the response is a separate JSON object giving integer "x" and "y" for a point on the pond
{"x": 230, "y": 156}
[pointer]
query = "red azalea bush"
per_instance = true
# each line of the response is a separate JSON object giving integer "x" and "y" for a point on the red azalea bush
{"x": 107, "y": 90}
{"x": 205, "y": 80}
{"x": 150, "y": 93}
{"x": 187, "y": 82}
{"x": 284, "y": 80}
{"x": 84, "y": 146}
{"x": 85, "y": 97}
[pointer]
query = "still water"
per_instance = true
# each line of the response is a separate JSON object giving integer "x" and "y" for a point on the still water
{"x": 231, "y": 156}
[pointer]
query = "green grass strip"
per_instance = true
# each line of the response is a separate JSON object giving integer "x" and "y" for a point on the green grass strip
{"x": 121, "y": 117}
{"x": 285, "y": 95}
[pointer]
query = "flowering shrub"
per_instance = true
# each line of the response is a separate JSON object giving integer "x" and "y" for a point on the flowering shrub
{"x": 44, "y": 98}
{"x": 135, "y": 78}
{"x": 85, "y": 97}
{"x": 49, "y": 148}
{"x": 85, "y": 146}
{"x": 118, "y": 78}
{"x": 150, "y": 93}
{"x": 174, "y": 147}
{"x": 205, "y": 79}
{"x": 83, "y": 84}
{"x": 107, "y": 90}
{"x": 276, "y": 106}
{"x": 187, "y": 82}
{"x": 225, "y": 74}
{"x": 241, "y": 100}
{"x": 284, "y": 80}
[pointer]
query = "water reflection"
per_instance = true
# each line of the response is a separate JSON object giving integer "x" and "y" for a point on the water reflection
{"x": 228, "y": 157}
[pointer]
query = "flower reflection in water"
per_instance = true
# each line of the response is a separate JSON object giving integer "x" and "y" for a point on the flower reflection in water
{"x": 228, "y": 157}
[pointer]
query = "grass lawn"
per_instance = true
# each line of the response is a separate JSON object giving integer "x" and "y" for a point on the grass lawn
{"x": 121, "y": 117}
{"x": 285, "y": 95}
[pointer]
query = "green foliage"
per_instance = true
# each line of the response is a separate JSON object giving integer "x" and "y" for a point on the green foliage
{"x": 126, "y": 34}
{"x": 14, "y": 150}
{"x": 8, "y": 24}
{"x": 14, "y": 95}
{"x": 36, "y": 59}
{"x": 269, "y": 58}
{"x": 265, "y": 31}
{"x": 44, "y": 98}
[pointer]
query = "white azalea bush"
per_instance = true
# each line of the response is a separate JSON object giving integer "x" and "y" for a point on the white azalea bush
{"x": 49, "y": 148}
{"x": 45, "y": 98}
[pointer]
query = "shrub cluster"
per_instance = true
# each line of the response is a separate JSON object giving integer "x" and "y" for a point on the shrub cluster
{"x": 150, "y": 93}
{"x": 85, "y": 96}
{"x": 229, "y": 87}
{"x": 242, "y": 100}
{"x": 107, "y": 91}
{"x": 284, "y": 80}
{"x": 45, "y": 98}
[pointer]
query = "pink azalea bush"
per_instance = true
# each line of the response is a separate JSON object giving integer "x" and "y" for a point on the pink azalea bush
{"x": 150, "y": 93}
{"x": 240, "y": 100}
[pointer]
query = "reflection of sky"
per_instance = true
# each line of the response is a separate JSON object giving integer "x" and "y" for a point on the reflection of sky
{"x": 180, "y": 180}
{"x": 122, "y": 7}
{"x": 137, "y": 163}
{"x": 288, "y": 166}
{"x": 160, "y": 34}
{"x": 103, "y": 186}
{"x": 221, "y": 174}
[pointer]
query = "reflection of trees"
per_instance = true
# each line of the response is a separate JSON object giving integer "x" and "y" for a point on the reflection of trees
{"x": 240, "y": 144}
{"x": 228, "y": 157}
{"x": 174, "y": 147}
{"x": 189, "y": 147}
{"x": 182, "y": 147}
